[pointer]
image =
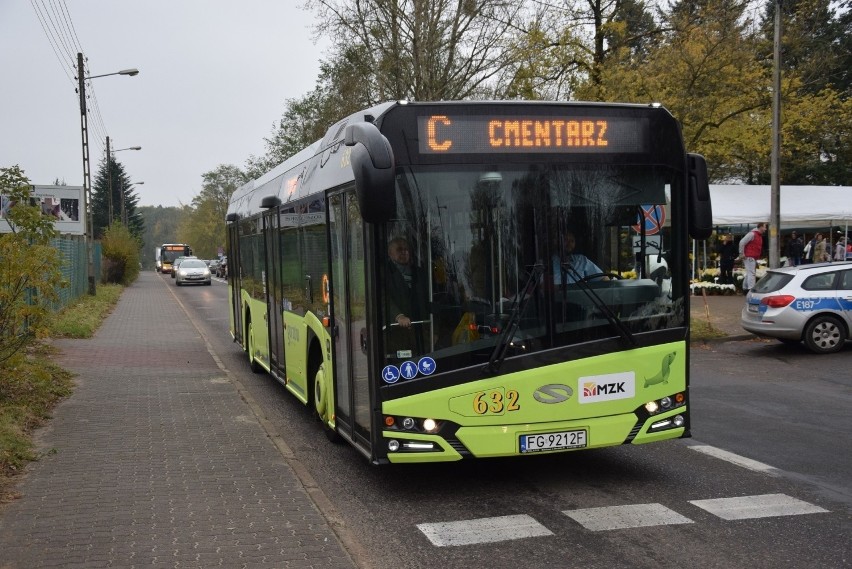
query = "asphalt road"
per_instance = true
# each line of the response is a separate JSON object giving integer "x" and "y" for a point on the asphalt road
{"x": 763, "y": 483}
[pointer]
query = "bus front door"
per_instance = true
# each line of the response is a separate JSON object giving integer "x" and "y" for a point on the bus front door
{"x": 274, "y": 296}
{"x": 351, "y": 379}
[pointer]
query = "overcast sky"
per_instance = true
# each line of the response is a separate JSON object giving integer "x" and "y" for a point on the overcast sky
{"x": 213, "y": 78}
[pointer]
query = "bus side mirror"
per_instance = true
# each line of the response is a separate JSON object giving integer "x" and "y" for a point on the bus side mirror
{"x": 373, "y": 167}
{"x": 698, "y": 198}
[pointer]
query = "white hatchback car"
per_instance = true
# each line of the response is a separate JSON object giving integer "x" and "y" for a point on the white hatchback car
{"x": 191, "y": 271}
{"x": 809, "y": 303}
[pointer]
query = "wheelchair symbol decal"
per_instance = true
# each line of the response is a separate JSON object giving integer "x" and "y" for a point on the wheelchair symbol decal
{"x": 390, "y": 374}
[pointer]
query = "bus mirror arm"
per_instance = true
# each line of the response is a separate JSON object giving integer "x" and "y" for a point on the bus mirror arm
{"x": 373, "y": 167}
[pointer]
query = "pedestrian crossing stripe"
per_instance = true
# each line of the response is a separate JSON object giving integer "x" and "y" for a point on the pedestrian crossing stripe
{"x": 749, "y": 507}
{"x": 608, "y": 518}
{"x": 622, "y": 517}
{"x": 483, "y": 530}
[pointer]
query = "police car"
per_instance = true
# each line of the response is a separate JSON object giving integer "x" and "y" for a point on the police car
{"x": 808, "y": 303}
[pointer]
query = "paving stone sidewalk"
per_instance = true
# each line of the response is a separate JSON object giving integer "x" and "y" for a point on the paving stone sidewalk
{"x": 155, "y": 461}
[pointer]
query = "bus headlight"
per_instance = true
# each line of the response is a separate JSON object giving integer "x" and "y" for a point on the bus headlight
{"x": 408, "y": 423}
{"x": 393, "y": 445}
{"x": 429, "y": 425}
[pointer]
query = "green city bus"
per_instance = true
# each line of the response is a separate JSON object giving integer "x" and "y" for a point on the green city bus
{"x": 513, "y": 351}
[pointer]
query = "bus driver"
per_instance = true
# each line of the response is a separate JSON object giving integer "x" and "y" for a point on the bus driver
{"x": 570, "y": 266}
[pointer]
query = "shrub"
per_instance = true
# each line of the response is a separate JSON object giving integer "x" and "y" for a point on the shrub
{"x": 121, "y": 255}
{"x": 29, "y": 266}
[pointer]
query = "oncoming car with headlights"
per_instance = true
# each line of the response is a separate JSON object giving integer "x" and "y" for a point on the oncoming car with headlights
{"x": 808, "y": 303}
{"x": 192, "y": 271}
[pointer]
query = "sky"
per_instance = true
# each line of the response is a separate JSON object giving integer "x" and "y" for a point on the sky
{"x": 213, "y": 79}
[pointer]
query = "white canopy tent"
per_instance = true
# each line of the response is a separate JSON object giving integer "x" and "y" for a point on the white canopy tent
{"x": 801, "y": 206}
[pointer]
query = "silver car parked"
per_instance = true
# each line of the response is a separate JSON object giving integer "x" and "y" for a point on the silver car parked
{"x": 808, "y": 303}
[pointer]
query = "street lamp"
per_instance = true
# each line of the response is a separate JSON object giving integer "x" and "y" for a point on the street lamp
{"x": 87, "y": 177}
{"x": 123, "y": 209}
{"x": 109, "y": 174}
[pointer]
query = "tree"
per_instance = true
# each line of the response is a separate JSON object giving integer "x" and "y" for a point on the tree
{"x": 426, "y": 50}
{"x": 338, "y": 93}
{"x": 202, "y": 224}
{"x": 705, "y": 71}
{"x": 816, "y": 142}
{"x": 29, "y": 265}
{"x": 561, "y": 47}
{"x": 116, "y": 182}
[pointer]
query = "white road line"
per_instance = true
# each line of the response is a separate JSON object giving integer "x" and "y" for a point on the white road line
{"x": 621, "y": 517}
{"x": 735, "y": 459}
{"x": 483, "y": 530}
{"x": 764, "y": 506}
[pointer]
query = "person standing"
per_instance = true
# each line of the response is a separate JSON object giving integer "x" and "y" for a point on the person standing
{"x": 821, "y": 253}
{"x": 751, "y": 249}
{"x": 808, "y": 253}
{"x": 840, "y": 250}
{"x": 406, "y": 300}
{"x": 794, "y": 250}
{"x": 727, "y": 255}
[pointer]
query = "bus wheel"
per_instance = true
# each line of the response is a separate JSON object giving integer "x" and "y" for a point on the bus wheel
{"x": 321, "y": 404}
{"x": 319, "y": 394}
{"x": 253, "y": 365}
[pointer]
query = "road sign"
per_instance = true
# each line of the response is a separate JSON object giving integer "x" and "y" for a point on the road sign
{"x": 653, "y": 217}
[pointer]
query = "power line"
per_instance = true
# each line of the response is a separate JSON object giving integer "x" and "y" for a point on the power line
{"x": 65, "y": 66}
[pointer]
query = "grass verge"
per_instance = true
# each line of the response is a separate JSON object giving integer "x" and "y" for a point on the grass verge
{"x": 702, "y": 330}
{"x": 31, "y": 384}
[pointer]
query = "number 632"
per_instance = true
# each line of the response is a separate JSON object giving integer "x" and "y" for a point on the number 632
{"x": 495, "y": 401}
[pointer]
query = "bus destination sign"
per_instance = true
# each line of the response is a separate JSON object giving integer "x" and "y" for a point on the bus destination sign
{"x": 489, "y": 134}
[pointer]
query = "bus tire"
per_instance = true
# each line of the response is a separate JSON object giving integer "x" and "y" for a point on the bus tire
{"x": 320, "y": 401}
{"x": 253, "y": 365}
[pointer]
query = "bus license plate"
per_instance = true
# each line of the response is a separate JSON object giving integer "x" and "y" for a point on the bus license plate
{"x": 553, "y": 441}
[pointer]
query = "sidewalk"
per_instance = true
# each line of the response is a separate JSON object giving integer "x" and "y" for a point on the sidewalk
{"x": 155, "y": 461}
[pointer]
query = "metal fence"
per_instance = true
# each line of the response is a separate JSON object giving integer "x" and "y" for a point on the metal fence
{"x": 75, "y": 267}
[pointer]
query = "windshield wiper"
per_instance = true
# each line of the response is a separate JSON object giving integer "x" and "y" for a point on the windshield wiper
{"x": 614, "y": 320}
{"x": 519, "y": 305}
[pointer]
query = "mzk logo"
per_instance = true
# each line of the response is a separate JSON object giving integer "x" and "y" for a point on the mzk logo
{"x": 607, "y": 387}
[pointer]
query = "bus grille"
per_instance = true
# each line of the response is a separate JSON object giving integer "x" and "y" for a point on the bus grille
{"x": 633, "y": 432}
{"x": 458, "y": 447}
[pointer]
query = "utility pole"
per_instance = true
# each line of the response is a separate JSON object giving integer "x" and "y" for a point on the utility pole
{"x": 87, "y": 178}
{"x": 775, "y": 163}
{"x": 109, "y": 181}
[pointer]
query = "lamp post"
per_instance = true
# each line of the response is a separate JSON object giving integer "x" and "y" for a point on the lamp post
{"x": 123, "y": 209}
{"x": 87, "y": 177}
{"x": 109, "y": 175}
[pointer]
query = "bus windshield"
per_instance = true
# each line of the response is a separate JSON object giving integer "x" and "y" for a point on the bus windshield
{"x": 516, "y": 260}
